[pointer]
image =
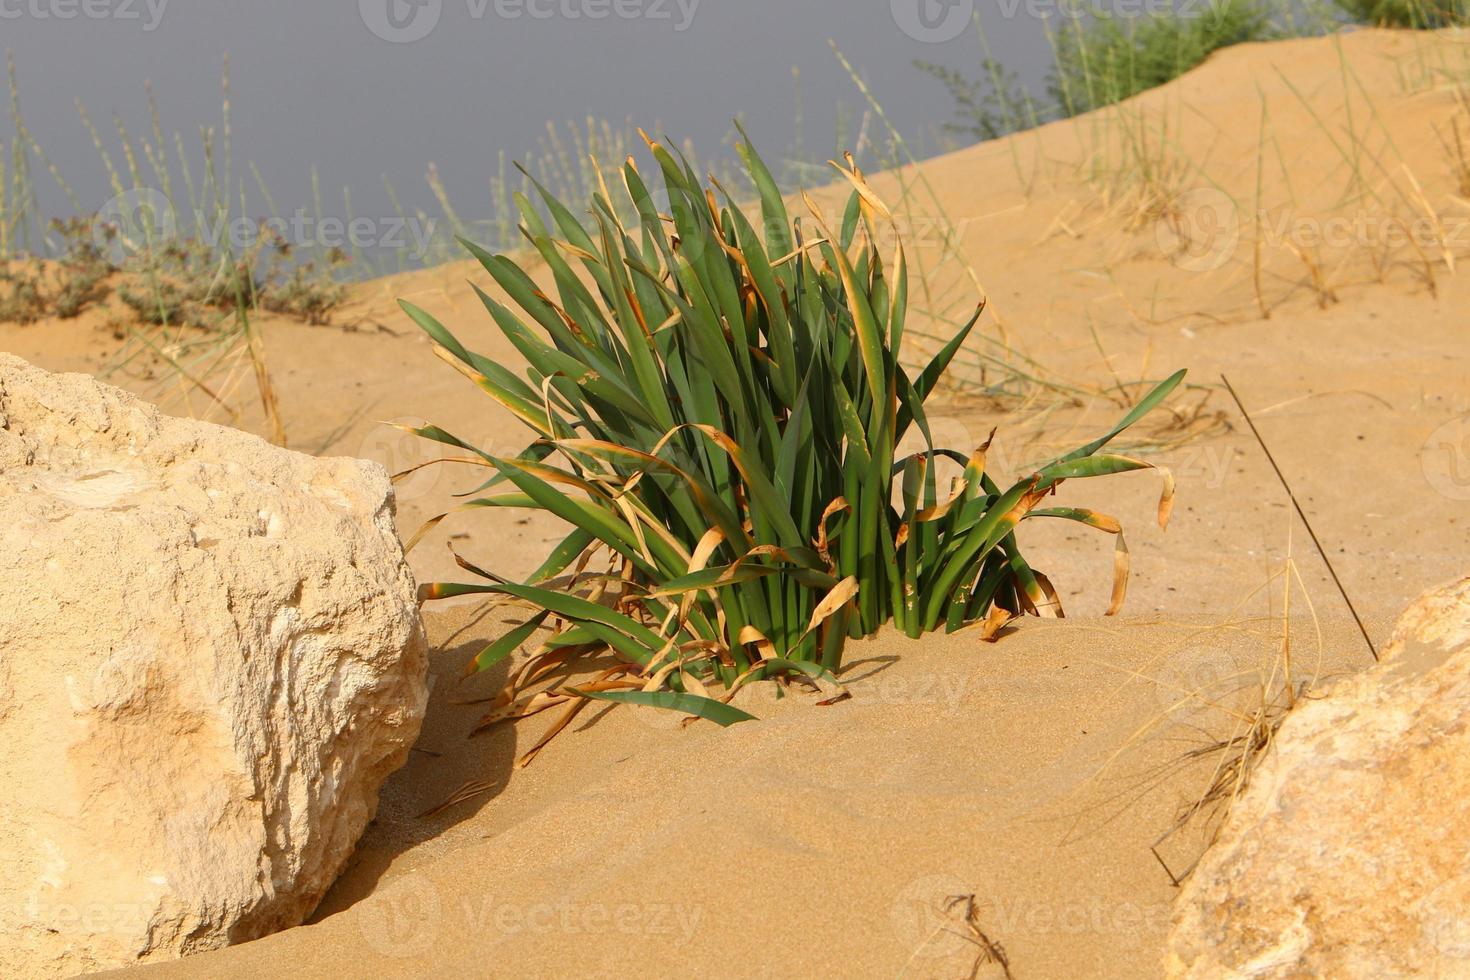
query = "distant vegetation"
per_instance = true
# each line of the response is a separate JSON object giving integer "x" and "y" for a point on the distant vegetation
{"x": 1111, "y": 59}
{"x": 173, "y": 247}
{"x": 1102, "y": 60}
{"x": 1408, "y": 13}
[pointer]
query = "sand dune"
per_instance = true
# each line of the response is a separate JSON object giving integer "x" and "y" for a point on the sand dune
{"x": 1035, "y": 774}
{"x": 822, "y": 840}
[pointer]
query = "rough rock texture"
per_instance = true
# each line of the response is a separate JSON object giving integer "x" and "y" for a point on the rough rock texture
{"x": 1350, "y": 854}
{"x": 210, "y": 660}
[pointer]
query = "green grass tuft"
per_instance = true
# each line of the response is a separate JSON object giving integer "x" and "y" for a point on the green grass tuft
{"x": 1100, "y": 60}
{"x": 1105, "y": 60}
{"x": 716, "y": 399}
{"x": 1414, "y": 14}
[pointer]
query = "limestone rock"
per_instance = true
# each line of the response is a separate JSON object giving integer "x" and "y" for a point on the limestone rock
{"x": 1349, "y": 856}
{"x": 210, "y": 660}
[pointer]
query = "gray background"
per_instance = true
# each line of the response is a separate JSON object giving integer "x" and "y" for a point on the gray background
{"x": 314, "y": 86}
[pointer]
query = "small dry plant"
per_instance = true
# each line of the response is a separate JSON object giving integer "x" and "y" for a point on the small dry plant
{"x": 1255, "y": 705}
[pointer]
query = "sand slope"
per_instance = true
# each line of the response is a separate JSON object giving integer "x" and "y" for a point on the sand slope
{"x": 821, "y": 840}
{"x": 815, "y": 839}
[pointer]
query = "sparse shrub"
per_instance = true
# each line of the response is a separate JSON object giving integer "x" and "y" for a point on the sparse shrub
{"x": 84, "y": 270}
{"x": 160, "y": 302}
{"x": 184, "y": 282}
{"x": 21, "y": 297}
{"x": 32, "y": 289}
{"x": 716, "y": 402}
{"x": 191, "y": 283}
{"x": 303, "y": 290}
{"x": 989, "y": 107}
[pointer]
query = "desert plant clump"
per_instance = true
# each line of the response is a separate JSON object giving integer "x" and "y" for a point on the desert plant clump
{"x": 303, "y": 290}
{"x": 715, "y": 402}
{"x": 32, "y": 289}
{"x": 183, "y": 282}
{"x": 84, "y": 270}
{"x": 190, "y": 282}
{"x": 180, "y": 282}
{"x": 21, "y": 296}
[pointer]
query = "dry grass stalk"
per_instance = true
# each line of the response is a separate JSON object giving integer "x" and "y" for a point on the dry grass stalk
{"x": 963, "y": 913}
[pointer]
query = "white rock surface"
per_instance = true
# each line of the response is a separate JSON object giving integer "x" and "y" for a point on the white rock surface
{"x": 1349, "y": 855}
{"x": 210, "y": 659}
